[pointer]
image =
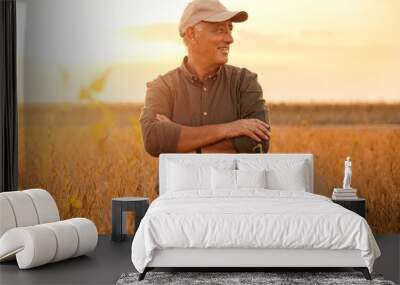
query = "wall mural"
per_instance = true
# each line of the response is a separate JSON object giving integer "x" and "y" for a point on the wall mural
{"x": 330, "y": 87}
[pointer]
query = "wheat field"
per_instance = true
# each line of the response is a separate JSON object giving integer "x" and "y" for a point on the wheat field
{"x": 86, "y": 154}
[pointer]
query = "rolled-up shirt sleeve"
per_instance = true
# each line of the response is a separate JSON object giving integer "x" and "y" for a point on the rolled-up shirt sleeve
{"x": 252, "y": 105}
{"x": 158, "y": 137}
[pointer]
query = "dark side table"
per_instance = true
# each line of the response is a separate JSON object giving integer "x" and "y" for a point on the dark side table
{"x": 120, "y": 206}
{"x": 356, "y": 205}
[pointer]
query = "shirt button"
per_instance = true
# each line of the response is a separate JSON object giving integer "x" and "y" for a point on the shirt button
{"x": 205, "y": 113}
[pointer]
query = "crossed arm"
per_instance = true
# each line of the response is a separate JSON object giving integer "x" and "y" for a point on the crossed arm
{"x": 217, "y": 138}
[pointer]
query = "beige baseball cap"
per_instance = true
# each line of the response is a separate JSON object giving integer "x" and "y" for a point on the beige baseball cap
{"x": 208, "y": 11}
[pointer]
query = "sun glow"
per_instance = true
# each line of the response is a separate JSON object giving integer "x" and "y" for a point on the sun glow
{"x": 302, "y": 50}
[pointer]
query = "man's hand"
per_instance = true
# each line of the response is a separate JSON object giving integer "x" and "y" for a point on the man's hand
{"x": 162, "y": 118}
{"x": 253, "y": 128}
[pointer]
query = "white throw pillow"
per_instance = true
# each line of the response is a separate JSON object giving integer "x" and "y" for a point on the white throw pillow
{"x": 292, "y": 179}
{"x": 223, "y": 179}
{"x": 181, "y": 177}
{"x": 282, "y": 174}
{"x": 236, "y": 179}
{"x": 251, "y": 178}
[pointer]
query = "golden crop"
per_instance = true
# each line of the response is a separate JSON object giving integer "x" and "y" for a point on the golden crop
{"x": 86, "y": 154}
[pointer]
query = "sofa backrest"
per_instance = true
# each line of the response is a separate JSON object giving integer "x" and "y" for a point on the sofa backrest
{"x": 26, "y": 208}
{"x": 244, "y": 159}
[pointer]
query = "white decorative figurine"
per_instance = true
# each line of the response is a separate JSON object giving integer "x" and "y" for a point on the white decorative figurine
{"x": 347, "y": 173}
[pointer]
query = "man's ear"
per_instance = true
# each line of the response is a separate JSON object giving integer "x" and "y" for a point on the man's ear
{"x": 190, "y": 33}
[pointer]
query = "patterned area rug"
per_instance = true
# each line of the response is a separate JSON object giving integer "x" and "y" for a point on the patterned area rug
{"x": 230, "y": 278}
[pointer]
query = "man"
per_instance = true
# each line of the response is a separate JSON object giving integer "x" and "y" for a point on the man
{"x": 206, "y": 105}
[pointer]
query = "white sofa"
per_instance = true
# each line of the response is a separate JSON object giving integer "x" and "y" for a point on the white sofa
{"x": 31, "y": 231}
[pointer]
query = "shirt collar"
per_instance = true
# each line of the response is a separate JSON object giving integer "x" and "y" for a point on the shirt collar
{"x": 193, "y": 78}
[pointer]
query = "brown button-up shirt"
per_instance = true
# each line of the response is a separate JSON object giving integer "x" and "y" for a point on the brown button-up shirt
{"x": 230, "y": 94}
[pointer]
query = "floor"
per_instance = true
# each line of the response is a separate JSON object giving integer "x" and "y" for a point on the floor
{"x": 110, "y": 260}
{"x": 103, "y": 266}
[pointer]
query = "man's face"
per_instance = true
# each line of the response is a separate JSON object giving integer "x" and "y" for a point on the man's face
{"x": 213, "y": 41}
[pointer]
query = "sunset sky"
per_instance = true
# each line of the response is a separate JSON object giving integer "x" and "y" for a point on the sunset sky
{"x": 302, "y": 51}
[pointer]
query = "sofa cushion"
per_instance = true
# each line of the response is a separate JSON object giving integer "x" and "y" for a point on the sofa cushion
{"x": 23, "y": 208}
{"x": 45, "y": 205}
